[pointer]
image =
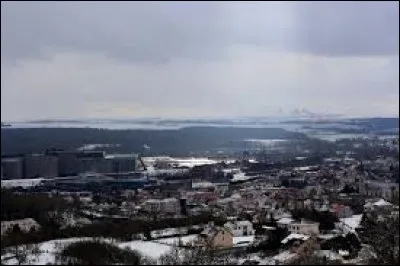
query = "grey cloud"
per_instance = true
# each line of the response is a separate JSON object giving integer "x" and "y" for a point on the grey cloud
{"x": 132, "y": 30}
{"x": 160, "y": 31}
{"x": 349, "y": 28}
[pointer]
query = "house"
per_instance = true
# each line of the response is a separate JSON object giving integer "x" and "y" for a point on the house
{"x": 350, "y": 224}
{"x": 341, "y": 211}
{"x": 284, "y": 222}
{"x": 25, "y": 225}
{"x": 304, "y": 227}
{"x": 381, "y": 206}
{"x": 240, "y": 228}
{"x": 216, "y": 237}
{"x": 169, "y": 205}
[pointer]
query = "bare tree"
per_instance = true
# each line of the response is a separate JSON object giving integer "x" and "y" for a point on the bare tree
{"x": 383, "y": 237}
{"x": 20, "y": 253}
{"x": 194, "y": 255}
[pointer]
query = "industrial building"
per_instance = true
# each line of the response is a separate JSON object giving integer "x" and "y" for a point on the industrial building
{"x": 40, "y": 165}
{"x": 122, "y": 163}
{"x": 58, "y": 163}
{"x": 170, "y": 205}
{"x": 68, "y": 164}
{"x": 11, "y": 168}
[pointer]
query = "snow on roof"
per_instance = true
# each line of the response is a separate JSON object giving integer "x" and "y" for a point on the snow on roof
{"x": 295, "y": 236}
{"x": 243, "y": 240}
{"x": 280, "y": 215}
{"x": 241, "y": 177}
{"x": 121, "y": 156}
{"x": 367, "y": 205}
{"x": 231, "y": 170}
{"x": 268, "y": 227}
{"x": 382, "y": 202}
{"x": 303, "y": 168}
{"x": 352, "y": 222}
{"x": 236, "y": 196}
{"x": 327, "y": 236}
{"x": 241, "y": 223}
{"x": 202, "y": 185}
{"x": 285, "y": 220}
{"x": 343, "y": 252}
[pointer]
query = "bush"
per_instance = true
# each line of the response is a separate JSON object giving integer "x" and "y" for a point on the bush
{"x": 97, "y": 252}
{"x": 350, "y": 242}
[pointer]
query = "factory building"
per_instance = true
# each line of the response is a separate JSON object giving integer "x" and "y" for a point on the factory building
{"x": 40, "y": 165}
{"x": 122, "y": 163}
{"x": 12, "y": 168}
{"x": 68, "y": 164}
{"x": 170, "y": 206}
{"x": 55, "y": 163}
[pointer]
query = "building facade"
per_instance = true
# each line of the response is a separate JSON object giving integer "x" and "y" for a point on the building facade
{"x": 12, "y": 168}
{"x": 304, "y": 227}
{"x": 40, "y": 165}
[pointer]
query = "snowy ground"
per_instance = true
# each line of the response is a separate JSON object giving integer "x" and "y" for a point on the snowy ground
{"x": 21, "y": 183}
{"x": 175, "y": 240}
{"x": 48, "y": 250}
{"x": 237, "y": 241}
{"x": 284, "y": 256}
{"x": 147, "y": 248}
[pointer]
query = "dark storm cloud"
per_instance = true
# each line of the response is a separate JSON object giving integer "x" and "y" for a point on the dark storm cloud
{"x": 158, "y": 32}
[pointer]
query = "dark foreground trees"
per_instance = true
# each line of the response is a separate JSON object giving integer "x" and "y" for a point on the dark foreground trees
{"x": 96, "y": 252}
{"x": 383, "y": 237}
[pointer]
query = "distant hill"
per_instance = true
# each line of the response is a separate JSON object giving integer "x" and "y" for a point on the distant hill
{"x": 180, "y": 141}
{"x": 379, "y": 125}
{"x": 4, "y": 124}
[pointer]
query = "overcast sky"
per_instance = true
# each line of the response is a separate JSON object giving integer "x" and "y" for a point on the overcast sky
{"x": 191, "y": 59}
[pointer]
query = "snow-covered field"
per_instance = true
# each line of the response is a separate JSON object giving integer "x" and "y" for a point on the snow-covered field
{"x": 21, "y": 182}
{"x": 147, "y": 248}
{"x": 284, "y": 256}
{"x": 48, "y": 250}
{"x": 175, "y": 240}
